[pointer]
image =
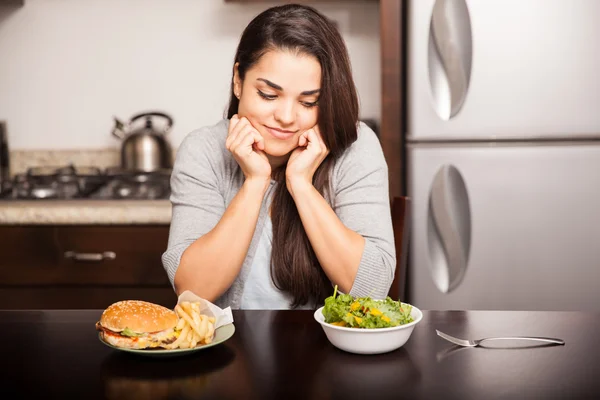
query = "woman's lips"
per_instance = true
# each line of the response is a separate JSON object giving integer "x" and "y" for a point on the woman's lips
{"x": 280, "y": 134}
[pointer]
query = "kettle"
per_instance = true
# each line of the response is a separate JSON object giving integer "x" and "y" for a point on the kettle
{"x": 144, "y": 148}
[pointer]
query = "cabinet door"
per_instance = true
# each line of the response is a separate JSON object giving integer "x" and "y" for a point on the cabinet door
{"x": 83, "y": 255}
{"x": 112, "y": 255}
{"x": 536, "y": 76}
{"x": 35, "y": 273}
{"x": 522, "y": 235}
{"x": 28, "y": 254}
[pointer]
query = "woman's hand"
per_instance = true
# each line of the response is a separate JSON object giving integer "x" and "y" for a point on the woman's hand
{"x": 305, "y": 160}
{"x": 247, "y": 145}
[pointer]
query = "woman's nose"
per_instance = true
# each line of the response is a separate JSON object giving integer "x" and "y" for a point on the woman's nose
{"x": 285, "y": 112}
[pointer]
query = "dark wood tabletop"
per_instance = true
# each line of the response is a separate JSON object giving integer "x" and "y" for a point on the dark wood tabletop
{"x": 285, "y": 354}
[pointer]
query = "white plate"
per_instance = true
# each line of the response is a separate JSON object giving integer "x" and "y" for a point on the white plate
{"x": 222, "y": 333}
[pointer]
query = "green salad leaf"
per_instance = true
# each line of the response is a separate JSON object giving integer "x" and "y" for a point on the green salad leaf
{"x": 365, "y": 312}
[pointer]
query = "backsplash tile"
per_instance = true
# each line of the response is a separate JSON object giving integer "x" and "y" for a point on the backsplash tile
{"x": 21, "y": 160}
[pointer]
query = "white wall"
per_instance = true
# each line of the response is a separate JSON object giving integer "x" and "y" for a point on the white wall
{"x": 68, "y": 66}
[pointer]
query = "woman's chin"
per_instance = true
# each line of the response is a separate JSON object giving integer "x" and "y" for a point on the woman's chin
{"x": 278, "y": 150}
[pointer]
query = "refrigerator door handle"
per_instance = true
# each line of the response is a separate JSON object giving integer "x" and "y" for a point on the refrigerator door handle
{"x": 450, "y": 53}
{"x": 449, "y": 228}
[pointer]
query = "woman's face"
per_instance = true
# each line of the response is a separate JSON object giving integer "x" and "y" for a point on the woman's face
{"x": 279, "y": 97}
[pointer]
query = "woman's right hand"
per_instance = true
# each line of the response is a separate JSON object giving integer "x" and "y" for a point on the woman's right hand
{"x": 247, "y": 147}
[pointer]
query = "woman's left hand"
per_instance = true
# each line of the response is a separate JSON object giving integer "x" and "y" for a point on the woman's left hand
{"x": 305, "y": 160}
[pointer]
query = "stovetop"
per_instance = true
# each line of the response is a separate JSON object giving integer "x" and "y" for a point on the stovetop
{"x": 84, "y": 182}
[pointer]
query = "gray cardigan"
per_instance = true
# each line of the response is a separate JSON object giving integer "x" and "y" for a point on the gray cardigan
{"x": 206, "y": 177}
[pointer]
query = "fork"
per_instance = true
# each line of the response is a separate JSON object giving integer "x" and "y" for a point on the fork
{"x": 474, "y": 343}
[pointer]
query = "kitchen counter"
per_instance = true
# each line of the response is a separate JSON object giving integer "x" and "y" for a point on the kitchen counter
{"x": 285, "y": 354}
{"x": 78, "y": 212}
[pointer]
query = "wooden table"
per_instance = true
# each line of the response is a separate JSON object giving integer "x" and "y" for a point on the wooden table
{"x": 285, "y": 354}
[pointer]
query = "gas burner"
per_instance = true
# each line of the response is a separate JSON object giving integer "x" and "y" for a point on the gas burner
{"x": 138, "y": 184}
{"x": 70, "y": 182}
{"x": 66, "y": 182}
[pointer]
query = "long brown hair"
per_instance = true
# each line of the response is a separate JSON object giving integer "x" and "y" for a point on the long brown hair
{"x": 294, "y": 264}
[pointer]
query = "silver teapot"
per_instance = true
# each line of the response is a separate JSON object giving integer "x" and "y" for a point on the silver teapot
{"x": 144, "y": 147}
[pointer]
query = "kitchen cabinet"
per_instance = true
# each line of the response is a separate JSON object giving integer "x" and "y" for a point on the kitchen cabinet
{"x": 392, "y": 27}
{"x": 82, "y": 266}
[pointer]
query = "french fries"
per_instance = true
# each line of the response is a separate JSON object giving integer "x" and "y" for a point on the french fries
{"x": 195, "y": 329}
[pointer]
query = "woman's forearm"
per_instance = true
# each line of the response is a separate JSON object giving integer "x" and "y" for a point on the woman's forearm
{"x": 209, "y": 266}
{"x": 338, "y": 249}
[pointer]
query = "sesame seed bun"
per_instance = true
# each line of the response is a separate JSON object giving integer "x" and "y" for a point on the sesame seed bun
{"x": 138, "y": 316}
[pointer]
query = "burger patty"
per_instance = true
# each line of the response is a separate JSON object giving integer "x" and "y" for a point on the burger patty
{"x": 152, "y": 339}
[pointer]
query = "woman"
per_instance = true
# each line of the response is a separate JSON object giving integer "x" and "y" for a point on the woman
{"x": 288, "y": 196}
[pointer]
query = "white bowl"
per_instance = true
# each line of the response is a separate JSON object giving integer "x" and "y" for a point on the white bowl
{"x": 369, "y": 341}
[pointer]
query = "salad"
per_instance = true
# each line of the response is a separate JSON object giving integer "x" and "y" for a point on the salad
{"x": 364, "y": 312}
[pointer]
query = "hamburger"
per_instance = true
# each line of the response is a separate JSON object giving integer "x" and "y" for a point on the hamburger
{"x": 136, "y": 324}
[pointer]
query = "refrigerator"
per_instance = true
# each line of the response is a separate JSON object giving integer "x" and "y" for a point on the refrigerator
{"x": 503, "y": 154}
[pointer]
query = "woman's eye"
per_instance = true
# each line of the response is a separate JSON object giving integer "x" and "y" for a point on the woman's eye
{"x": 267, "y": 96}
{"x": 308, "y": 104}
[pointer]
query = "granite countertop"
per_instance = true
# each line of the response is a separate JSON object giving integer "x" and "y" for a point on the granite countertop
{"x": 79, "y": 212}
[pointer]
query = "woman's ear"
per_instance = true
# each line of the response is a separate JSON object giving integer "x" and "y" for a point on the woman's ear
{"x": 237, "y": 82}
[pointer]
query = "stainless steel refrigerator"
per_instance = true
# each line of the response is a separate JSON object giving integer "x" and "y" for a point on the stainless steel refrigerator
{"x": 503, "y": 154}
